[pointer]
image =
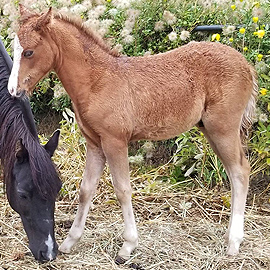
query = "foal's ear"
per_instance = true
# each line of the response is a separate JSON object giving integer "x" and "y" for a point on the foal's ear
{"x": 20, "y": 152}
{"x": 25, "y": 13}
{"x": 51, "y": 145}
{"x": 43, "y": 20}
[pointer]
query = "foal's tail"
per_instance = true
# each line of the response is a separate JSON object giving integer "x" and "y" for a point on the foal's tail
{"x": 249, "y": 113}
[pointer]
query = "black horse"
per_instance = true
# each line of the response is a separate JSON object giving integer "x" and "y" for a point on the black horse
{"x": 30, "y": 177}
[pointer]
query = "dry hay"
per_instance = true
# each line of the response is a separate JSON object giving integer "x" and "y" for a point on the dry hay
{"x": 172, "y": 235}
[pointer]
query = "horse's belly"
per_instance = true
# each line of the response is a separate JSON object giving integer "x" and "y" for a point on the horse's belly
{"x": 159, "y": 132}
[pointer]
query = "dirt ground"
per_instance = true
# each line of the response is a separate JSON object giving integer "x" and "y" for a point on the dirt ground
{"x": 177, "y": 230}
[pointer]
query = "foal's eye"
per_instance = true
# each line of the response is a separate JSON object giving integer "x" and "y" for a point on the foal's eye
{"x": 28, "y": 53}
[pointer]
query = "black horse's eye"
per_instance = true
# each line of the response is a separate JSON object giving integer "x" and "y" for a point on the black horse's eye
{"x": 23, "y": 195}
{"x": 28, "y": 53}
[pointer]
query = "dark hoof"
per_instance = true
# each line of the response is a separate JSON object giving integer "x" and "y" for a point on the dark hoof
{"x": 136, "y": 266}
{"x": 119, "y": 260}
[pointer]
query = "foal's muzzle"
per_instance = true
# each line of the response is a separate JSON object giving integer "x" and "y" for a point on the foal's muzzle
{"x": 17, "y": 94}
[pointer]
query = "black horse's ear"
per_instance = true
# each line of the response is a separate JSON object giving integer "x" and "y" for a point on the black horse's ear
{"x": 51, "y": 145}
{"x": 20, "y": 152}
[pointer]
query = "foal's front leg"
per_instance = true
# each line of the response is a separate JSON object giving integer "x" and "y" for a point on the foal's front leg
{"x": 116, "y": 153}
{"x": 95, "y": 162}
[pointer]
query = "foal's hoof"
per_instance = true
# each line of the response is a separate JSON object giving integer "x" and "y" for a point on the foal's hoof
{"x": 64, "y": 250}
{"x": 136, "y": 266}
{"x": 119, "y": 260}
{"x": 232, "y": 251}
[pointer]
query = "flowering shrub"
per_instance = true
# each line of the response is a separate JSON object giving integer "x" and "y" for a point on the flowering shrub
{"x": 146, "y": 27}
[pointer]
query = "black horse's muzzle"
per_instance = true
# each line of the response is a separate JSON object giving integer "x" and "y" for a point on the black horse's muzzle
{"x": 45, "y": 253}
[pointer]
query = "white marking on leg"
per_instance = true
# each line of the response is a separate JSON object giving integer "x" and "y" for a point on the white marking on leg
{"x": 76, "y": 229}
{"x": 236, "y": 233}
{"x": 13, "y": 79}
{"x": 49, "y": 244}
{"x": 130, "y": 234}
{"x": 95, "y": 162}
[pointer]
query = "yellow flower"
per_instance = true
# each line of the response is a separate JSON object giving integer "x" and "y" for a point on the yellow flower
{"x": 261, "y": 33}
{"x": 231, "y": 39}
{"x": 233, "y": 7}
{"x": 245, "y": 49}
{"x": 259, "y": 57}
{"x": 241, "y": 0}
{"x": 255, "y": 19}
{"x": 255, "y": 33}
{"x": 242, "y": 30}
{"x": 215, "y": 37}
{"x": 263, "y": 91}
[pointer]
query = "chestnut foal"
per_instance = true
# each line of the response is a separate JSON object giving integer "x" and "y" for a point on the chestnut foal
{"x": 118, "y": 99}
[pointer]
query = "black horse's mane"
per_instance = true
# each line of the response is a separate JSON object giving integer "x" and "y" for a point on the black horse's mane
{"x": 17, "y": 124}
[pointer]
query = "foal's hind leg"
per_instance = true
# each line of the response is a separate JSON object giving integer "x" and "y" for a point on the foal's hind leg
{"x": 116, "y": 152}
{"x": 95, "y": 161}
{"x": 227, "y": 145}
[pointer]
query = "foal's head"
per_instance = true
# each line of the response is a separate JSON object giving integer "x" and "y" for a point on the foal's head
{"x": 33, "y": 52}
{"x": 35, "y": 207}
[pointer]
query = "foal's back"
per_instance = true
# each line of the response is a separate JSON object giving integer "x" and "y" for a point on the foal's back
{"x": 168, "y": 93}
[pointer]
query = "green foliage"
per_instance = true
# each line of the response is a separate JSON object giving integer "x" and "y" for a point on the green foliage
{"x": 157, "y": 26}
{"x": 195, "y": 159}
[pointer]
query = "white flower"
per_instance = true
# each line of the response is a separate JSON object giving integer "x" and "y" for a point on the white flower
{"x": 106, "y": 23}
{"x": 228, "y": 30}
{"x": 64, "y": 3}
{"x": 11, "y": 33}
{"x": 100, "y": 2}
{"x": 122, "y": 4}
{"x": 100, "y": 9}
{"x": 128, "y": 39}
{"x": 102, "y": 31}
{"x": 78, "y": 9}
{"x": 138, "y": 159}
{"x": 263, "y": 117}
{"x": 147, "y": 53}
{"x": 257, "y": 12}
{"x": 93, "y": 24}
{"x": 125, "y": 32}
{"x": 159, "y": 26}
{"x": 172, "y": 36}
{"x": 118, "y": 47}
{"x": 7, "y": 9}
{"x": 132, "y": 14}
{"x": 184, "y": 35}
{"x": 148, "y": 146}
{"x": 129, "y": 24}
{"x": 169, "y": 17}
{"x": 113, "y": 12}
{"x": 86, "y": 3}
{"x": 58, "y": 91}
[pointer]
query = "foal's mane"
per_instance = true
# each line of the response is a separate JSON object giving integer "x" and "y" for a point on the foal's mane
{"x": 79, "y": 24}
{"x": 17, "y": 124}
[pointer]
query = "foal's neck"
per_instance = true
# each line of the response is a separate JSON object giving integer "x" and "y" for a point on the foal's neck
{"x": 80, "y": 60}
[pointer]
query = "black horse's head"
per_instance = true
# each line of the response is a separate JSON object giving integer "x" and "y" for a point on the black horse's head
{"x": 35, "y": 205}
{"x": 30, "y": 177}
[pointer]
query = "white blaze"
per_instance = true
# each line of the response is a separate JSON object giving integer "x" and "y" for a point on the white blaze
{"x": 49, "y": 243}
{"x": 13, "y": 79}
